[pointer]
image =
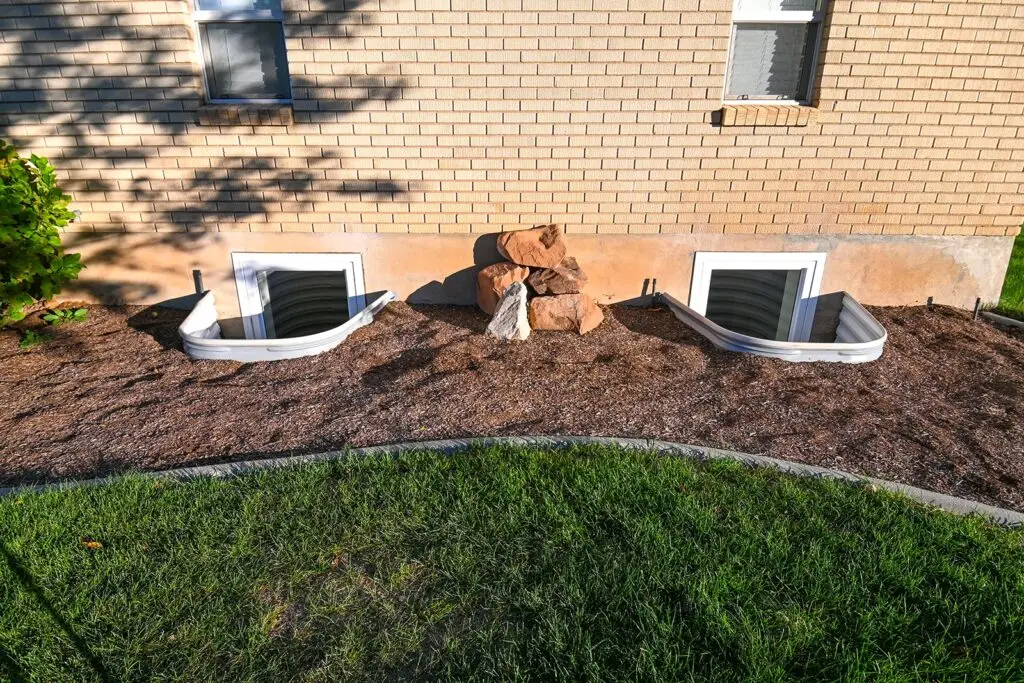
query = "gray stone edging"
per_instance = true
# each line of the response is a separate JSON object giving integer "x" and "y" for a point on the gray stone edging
{"x": 952, "y": 504}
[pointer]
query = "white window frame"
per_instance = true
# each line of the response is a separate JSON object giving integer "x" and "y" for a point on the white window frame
{"x": 201, "y": 17}
{"x": 810, "y": 264}
{"x": 250, "y": 303}
{"x": 779, "y": 17}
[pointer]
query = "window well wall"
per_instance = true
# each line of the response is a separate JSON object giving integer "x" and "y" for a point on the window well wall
{"x": 285, "y": 296}
{"x": 758, "y": 303}
{"x": 767, "y": 295}
{"x": 299, "y": 303}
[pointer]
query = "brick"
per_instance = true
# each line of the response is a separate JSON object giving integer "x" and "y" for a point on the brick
{"x": 514, "y": 110}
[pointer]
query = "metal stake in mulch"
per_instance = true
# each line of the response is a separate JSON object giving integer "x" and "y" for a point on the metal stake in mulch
{"x": 977, "y": 308}
{"x": 931, "y": 304}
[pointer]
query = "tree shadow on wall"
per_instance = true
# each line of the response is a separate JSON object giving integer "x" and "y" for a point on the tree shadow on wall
{"x": 113, "y": 89}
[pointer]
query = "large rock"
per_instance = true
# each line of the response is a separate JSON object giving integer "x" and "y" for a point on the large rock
{"x": 510, "y": 321}
{"x": 543, "y": 247}
{"x": 493, "y": 280}
{"x": 574, "y": 312}
{"x": 566, "y": 278}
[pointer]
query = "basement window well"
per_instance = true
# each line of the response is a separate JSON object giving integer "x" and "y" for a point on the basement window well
{"x": 763, "y": 295}
{"x": 284, "y": 296}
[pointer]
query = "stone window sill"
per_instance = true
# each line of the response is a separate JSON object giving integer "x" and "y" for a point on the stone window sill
{"x": 246, "y": 115}
{"x": 793, "y": 116}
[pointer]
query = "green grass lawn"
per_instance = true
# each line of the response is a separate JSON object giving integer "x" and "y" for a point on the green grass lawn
{"x": 593, "y": 564}
{"x": 1011, "y": 302}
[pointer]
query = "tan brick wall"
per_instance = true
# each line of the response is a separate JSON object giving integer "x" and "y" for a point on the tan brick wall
{"x": 482, "y": 115}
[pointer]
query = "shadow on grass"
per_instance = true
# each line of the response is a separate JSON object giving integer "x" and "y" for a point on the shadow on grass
{"x": 30, "y": 586}
{"x": 9, "y": 666}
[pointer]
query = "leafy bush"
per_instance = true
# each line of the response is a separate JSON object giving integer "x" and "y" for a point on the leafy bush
{"x": 59, "y": 316}
{"x": 33, "y": 265}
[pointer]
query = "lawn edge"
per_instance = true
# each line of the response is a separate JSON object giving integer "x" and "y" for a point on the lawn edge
{"x": 959, "y": 506}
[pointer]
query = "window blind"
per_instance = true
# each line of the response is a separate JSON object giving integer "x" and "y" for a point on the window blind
{"x": 245, "y": 60}
{"x": 771, "y": 61}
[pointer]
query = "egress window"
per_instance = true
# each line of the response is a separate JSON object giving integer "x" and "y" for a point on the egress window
{"x": 243, "y": 51}
{"x": 296, "y": 295}
{"x": 774, "y": 50}
{"x": 763, "y": 295}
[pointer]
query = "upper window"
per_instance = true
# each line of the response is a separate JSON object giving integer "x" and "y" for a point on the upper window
{"x": 243, "y": 50}
{"x": 774, "y": 50}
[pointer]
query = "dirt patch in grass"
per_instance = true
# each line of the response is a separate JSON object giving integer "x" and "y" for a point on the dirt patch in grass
{"x": 942, "y": 409}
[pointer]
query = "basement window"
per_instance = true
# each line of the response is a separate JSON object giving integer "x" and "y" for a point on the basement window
{"x": 764, "y": 295}
{"x": 296, "y": 295}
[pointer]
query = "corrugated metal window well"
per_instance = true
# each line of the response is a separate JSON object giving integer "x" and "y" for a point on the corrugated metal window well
{"x": 758, "y": 303}
{"x": 299, "y": 303}
{"x": 292, "y": 305}
{"x": 770, "y": 304}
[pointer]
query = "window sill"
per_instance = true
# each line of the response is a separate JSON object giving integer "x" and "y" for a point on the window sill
{"x": 787, "y": 115}
{"x": 246, "y": 114}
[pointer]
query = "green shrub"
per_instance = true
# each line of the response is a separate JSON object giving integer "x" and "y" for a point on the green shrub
{"x": 33, "y": 265}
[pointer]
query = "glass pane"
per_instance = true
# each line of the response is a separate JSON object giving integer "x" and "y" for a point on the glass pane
{"x": 297, "y": 303}
{"x": 757, "y": 303}
{"x": 245, "y": 60}
{"x": 762, "y": 6}
{"x": 771, "y": 61}
{"x": 239, "y": 5}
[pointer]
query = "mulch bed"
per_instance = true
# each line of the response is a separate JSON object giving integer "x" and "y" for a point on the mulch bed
{"x": 942, "y": 409}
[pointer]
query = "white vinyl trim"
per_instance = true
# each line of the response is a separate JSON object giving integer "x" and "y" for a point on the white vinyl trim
{"x": 771, "y": 103}
{"x": 203, "y": 16}
{"x": 774, "y": 17}
{"x": 250, "y": 302}
{"x": 229, "y": 100}
{"x": 811, "y": 265}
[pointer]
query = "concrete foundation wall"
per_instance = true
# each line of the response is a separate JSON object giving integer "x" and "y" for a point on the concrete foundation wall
{"x": 139, "y": 268}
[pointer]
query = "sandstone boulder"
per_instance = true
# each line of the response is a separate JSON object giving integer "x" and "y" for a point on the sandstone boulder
{"x": 543, "y": 247}
{"x": 510, "y": 321}
{"x": 573, "y": 312}
{"x": 493, "y": 280}
{"x": 566, "y": 278}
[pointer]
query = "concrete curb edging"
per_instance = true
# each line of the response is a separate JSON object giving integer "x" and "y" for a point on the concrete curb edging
{"x": 959, "y": 506}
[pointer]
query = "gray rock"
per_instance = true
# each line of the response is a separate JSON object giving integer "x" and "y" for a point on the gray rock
{"x": 510, "y": 321}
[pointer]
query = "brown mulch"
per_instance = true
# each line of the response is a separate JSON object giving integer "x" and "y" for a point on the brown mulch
{"x": 942, "y": 409}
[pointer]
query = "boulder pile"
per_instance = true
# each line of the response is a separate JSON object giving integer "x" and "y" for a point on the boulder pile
{"x": 538, "y": 258}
